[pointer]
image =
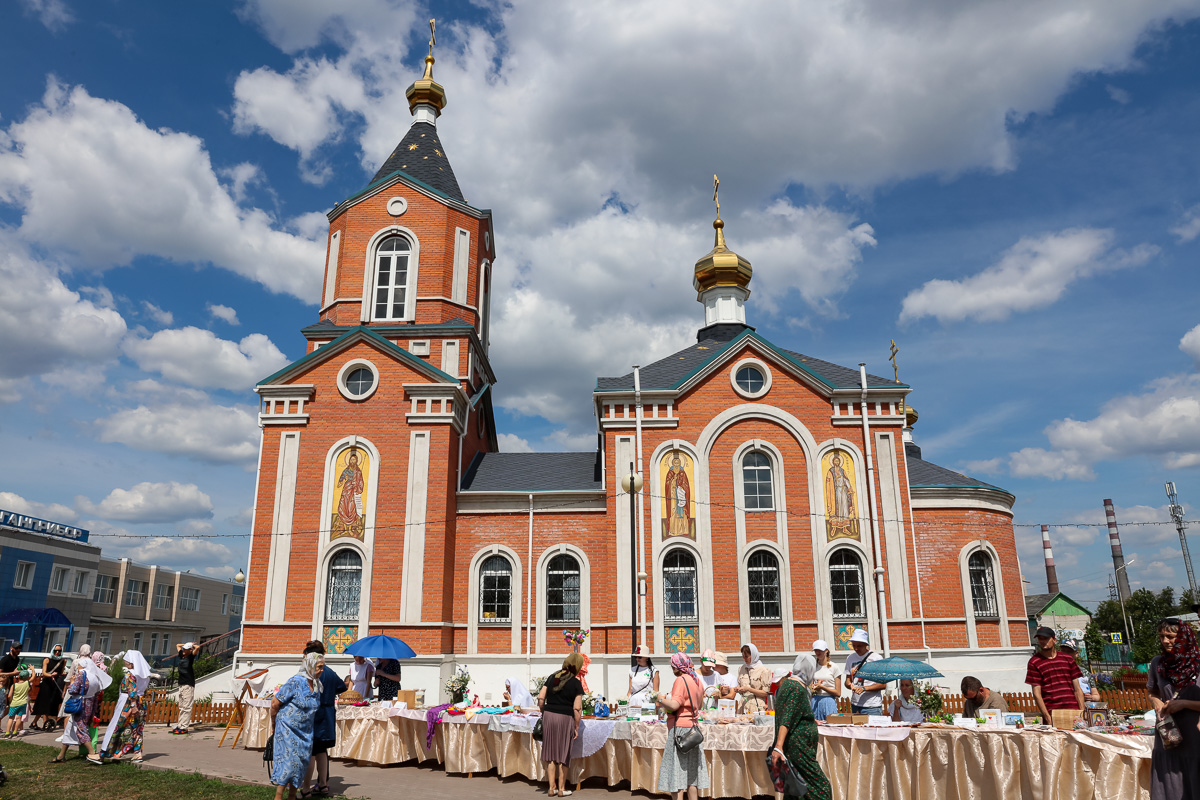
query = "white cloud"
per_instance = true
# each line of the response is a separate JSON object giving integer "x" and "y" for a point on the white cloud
{"x": 54, "y": 14}
{"x": 200, "y": 430}
{"x": 161, "y": 316}
{"x": 197, "y": 357}
{"x": 172, "y": 552}
{"x": 1188, "y": 227}
{"x": 293, "y": 25}
{"x": 151, "y": 502}
{"x": 511, "y": 443}
{"x": 87, "y": 165}
{"x": 225, "y": 313}
{"x": 1190, "y": 344}
{"x": 1119, "y": 95}
{"x": 55, "y": 512}
{"x": 195, "y": 527}
{"x": 1031, "y": 274}
{"x": 44, "y": 325}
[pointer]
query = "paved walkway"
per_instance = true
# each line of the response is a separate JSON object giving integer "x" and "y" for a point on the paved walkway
{"x": 198, "y": 752}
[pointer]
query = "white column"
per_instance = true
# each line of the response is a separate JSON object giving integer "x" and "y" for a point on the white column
{"x": 413, "y": 569}
{"x": 281, "y": 527}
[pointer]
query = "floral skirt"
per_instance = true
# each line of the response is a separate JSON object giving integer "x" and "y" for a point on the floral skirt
{"x": 679, "y": 770}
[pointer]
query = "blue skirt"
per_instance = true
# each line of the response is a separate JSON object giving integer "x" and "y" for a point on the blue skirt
{"x": 823, "y": 706}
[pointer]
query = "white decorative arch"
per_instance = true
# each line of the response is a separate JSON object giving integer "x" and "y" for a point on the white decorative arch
{"x": 780, "y": 545}
{"x": 964, "y": 555}
{"x": 585, "y": 591}
{"x": 518, "y": 607}
{"x": 704, "y": 592}
{"x": 414, "y": 261}
{"x": 827, "y": 625}
{"x": 322, "y": 588}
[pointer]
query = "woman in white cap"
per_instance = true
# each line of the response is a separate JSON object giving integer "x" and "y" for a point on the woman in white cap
{"x": 123, "y": 739}
{"x": 643, "y": 678}
{"x": 826, "y": 686}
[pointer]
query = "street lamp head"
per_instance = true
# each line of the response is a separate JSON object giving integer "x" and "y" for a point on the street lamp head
{"x": 240, "y": 577}
{"x": 632, "y": 483}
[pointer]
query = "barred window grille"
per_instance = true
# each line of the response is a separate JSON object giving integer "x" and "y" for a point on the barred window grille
{"x": 846, "y": 584}
{"x": 495, "y": 590}
{"x": 762, "y": 579}
{"x": 562, "y": 589}
{"x": 345, "y": 587}
{"x": 679, "y": 586}
{"x": 983, "y": 585}
{"x": 391, "y": 277}
{"x": 756, "y": 480}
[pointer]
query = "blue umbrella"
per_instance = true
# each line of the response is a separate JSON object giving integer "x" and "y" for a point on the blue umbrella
{"x": 895, "y": 668}
{"x": 380, "y": 646}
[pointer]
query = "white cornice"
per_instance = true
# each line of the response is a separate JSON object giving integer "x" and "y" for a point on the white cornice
{"x": 977, "y": 498}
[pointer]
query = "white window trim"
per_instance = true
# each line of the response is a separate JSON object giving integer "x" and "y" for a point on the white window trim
{"x": 585, "y": 593}
{"x": 740, "y": 476}
{"x": 758, "y": 364}
{"x": 237, "y": 601}
{"x": 322, "y": 589}
{"x": 964, "y": 556}
{"x": 461, "y": 271}
{"x": 224, "y": 605}
{"x": 518, "y": 607}
{"x": 85, "y": 576}
{"x": 349, "y": 367}
{"x": 65, "y": 572}
{"x": 181, "y": 598}
{"x": 28, "y": 585}
{"x": 484, "y": 303}
{"x": 703, "y": 594}
{"x": 414, "y": 260}
{"x": 744, "y": 574}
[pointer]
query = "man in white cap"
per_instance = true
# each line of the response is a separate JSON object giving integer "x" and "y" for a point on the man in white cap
{"x": 187, "y": 685}
{"x": 866, "y": 697}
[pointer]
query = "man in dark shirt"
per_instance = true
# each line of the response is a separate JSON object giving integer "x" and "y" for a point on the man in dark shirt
{"x": 9, "y": 666}
{"x": 1054, "y": 677}
{"x": 187, "y": 684}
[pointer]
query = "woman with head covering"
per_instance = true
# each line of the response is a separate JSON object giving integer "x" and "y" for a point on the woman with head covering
{"x": 324, "y": 732}
{"x": 826, "y": 686}
{"x": 643, "y": 678}
{"x": 54, "y": 673}
{"x": 796, "y": 730}
{"x": 561, "y": 702}
{"x": 904, "y": 709}
{"x": 1171, "y": 681}
{"x": 293, "y": 714}
{"x": 88, "y": 685}
{"x": 123, "y": 739}
{"x": 516, "y": 694}
{"x": 754, "y": 681}
{"x": 681, "y": 771}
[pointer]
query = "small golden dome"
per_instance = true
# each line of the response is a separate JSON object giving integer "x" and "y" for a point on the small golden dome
{"x": 910, "y": 415}
{"x": 426, "y": 90}
{"x": 722, "y": 266}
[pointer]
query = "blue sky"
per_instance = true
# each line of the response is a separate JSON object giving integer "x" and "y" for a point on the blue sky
{"x": 1009, "y": 191}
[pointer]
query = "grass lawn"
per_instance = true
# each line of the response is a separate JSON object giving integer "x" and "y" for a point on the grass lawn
{"x": 31, "y": 778}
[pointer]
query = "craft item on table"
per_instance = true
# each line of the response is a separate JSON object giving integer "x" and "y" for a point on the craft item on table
{"x": 993, "y": 717}
{"x": 726, "y": 709}
{"x": 1064, "y": 718}
{"x": 966, "y": 722}
{"x": 432, "y": 717}
{"x": 929, "y": 700}
{"x": 456, "y": 686}
{"x": 1097, "y": 714}
{"x": 1014, "y": 720}
{"x": 349, "y": 697}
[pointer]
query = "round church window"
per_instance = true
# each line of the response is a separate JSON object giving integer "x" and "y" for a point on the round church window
{"x": 750, "y": 380}
{"x": 358, "y": 379}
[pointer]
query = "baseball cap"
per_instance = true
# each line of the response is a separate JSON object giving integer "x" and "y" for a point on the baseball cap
{"x": 189, "y": 645}
{"x": 820, "y": 644}
{"x": 1044, "y": 631}
{"x": 1069, "y": 644}
{"x": 708, "y": 657}
{"x": 860, "y": 635}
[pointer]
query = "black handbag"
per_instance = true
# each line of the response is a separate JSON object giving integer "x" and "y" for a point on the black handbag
{"x": 793, "y": 784}
{"x": 537, "y": 730}
{"x": 692, "y": 737}
{"x": 269, "y": 754}
{"x": 73, "y": 705}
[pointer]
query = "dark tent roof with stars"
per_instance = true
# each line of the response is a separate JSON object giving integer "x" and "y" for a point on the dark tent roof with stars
{"x": 420, "y": 155}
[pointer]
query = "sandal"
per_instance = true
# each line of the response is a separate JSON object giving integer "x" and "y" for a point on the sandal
{"x": 57, "y": 761}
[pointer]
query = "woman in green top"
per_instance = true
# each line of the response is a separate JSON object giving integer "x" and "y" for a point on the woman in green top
{"x": 796, "y": 729}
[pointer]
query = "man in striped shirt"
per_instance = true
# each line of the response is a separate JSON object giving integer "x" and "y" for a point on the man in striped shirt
{"x": 1054, "y": 677}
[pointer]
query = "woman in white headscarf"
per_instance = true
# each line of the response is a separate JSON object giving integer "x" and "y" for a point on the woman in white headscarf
{"x": 517, "y": 695}
{"x": 293, "y": 716}
{"x": 796, "y": 731}
{"x": 88, "y": 686}
{"x": 123, "y": 739}
{"x": 754, "y": 681}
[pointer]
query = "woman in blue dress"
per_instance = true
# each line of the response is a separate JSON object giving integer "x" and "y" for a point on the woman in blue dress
{"x": 293, "y": 712}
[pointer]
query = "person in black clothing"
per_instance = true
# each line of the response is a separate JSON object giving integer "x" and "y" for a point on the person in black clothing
{"x": 50, "y": 693}
{"x": 561, "y": 702}
{"x": 9, "y": 666}
{"x": 187, "y": 685}
{"x": 324, "y": 725}
{"x": 387, "y": 678}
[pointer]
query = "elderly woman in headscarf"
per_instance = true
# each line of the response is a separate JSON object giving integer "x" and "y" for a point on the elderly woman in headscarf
{"x": 515, "y": 694}
{"x": 561, "y": 702}
{"x": 1172, "y": 682}
{"x": 88, "y": 684}
{"x": 123, "y": 739}
{"x": 796, "y": 730}
{"x": 293, "y": 714}
{"x": 682, "y": 771}
{"x": 754, "y": 681}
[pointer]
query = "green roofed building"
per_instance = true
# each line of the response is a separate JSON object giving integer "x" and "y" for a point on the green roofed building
{"x": 1059, "y": 612}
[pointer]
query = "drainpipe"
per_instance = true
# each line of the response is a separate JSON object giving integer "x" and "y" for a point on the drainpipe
{"x": 879, "y": 590}
{"x": 529, "y": 597}
{"x": 640, "y": 566}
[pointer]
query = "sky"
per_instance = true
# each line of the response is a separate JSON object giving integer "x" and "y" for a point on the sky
{"x": 1007, "y": 188}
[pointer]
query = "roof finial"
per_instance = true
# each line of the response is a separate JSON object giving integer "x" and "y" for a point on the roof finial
{"x": 426, "y": 91}
{"x": 892, "y": 358}
{"x": 718, "y": 223}
{"x": 717, "y": 194}
{"x": 428, "y": 76}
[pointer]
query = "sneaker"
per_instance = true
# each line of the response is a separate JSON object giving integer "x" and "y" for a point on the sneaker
{"x": 173, "y": 731}
{"x": 182, "y": 731}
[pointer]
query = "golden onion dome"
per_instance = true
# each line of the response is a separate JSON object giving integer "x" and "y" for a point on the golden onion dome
{"x": 910, "y": 415}
{"x": 722, "y": 266}
{"x": 426, "y": 90}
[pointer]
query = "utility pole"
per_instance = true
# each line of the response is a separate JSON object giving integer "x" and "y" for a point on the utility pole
{"x": 1177, "y": 515}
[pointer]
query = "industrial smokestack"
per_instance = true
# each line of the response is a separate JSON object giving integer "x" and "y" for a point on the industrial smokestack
{"x": 1051, "y": 574}
{"x": 1114, "y": 541}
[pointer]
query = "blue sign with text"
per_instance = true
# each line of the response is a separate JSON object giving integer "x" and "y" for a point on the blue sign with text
{"x": 23, "y": 522}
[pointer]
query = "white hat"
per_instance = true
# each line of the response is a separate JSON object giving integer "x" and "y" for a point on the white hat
{"x": 860, "y": 636}
{"x": 189, "y": 645}
{"x": 641, "y": 651}
{"x": 820, "y": 644}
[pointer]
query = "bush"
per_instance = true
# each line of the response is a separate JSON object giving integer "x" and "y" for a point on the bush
{"x": 116, "y": 671}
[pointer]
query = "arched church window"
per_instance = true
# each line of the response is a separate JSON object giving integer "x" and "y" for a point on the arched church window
{"x": 495, "y": 590}
{"x": 391, "y": 277}
{"x": 983, "y": 585}
{"x": 345, "y": 587}
{"x": 756, "y": 481}
{"x": 679, "y": 586}
{"x": 762, "y": 580}
{"x": 846, "y": 584}
{"x": 562, "y": 589}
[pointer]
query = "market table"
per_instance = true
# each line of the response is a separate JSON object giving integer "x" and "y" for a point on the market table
{"x": 896, "y": 763}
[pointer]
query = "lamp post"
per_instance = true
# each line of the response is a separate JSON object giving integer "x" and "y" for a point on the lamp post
{"x": 632, "y": 484}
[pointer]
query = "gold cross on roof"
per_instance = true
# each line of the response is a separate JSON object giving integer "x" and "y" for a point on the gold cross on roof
{"x": 895, "y": 369}
{"x": 716, "y": 194}
{"x": 432, "y": 35}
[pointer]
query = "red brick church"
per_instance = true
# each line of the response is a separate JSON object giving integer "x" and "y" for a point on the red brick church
{"x": 783, "y": 498}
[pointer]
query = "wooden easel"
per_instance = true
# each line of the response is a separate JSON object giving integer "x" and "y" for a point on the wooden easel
{"x": 237, "y": 717}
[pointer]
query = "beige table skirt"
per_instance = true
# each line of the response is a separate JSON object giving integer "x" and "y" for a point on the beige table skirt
{"x": 926, "y": 765}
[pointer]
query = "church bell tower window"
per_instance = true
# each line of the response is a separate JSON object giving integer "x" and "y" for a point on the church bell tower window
{"x": 391, "y": 278}
{"x": 345, "y": 587}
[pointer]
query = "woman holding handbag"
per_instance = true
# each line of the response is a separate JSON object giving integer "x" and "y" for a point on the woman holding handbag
{"x": 1171, "y": 681}
{"x": 683, "y": 765}
{"x": 796, "y": 731}
{"x": 83, "y": 698}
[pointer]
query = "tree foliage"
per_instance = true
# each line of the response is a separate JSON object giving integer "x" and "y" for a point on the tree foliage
{"x": 1144, "y": 609}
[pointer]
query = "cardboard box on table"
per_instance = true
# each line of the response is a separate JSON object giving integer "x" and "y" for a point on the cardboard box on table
{"x": 847, "y": 719}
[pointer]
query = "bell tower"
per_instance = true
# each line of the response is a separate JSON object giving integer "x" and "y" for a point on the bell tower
{"x": 722, "y": 278}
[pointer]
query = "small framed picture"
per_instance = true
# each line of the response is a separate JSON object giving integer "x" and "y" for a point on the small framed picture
{"x": 993, "y": 716}
{"x": 1012, "y": 720}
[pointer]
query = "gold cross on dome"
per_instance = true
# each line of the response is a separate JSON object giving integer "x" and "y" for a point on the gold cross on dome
{"x": 432, "y": 35}
{"x": 716, "y": 194}
{"x": 892, "y": 358}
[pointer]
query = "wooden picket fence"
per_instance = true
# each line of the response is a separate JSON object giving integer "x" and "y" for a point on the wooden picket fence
{"x": 166, "y": 712}
{"x": 1124, "y": 700}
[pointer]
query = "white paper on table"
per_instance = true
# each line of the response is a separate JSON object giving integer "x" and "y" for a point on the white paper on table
{"x": 400, "y": 705}
{"x": 725, "y": 709}
{"x": 965, "y": 722}
{"x": 385, "y": 703}
{"x": 881, "y": 722}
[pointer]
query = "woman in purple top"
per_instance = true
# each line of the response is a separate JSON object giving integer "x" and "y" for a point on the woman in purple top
{"x": 1171, "y": 680}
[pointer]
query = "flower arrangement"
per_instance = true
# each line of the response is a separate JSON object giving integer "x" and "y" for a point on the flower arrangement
{"x": 456, "y": 686}
{"x": 575, "y": 639}
{"x": 929, "y": 699}
{"x": 589, "y": 703}
{"x": 267, "y": 694}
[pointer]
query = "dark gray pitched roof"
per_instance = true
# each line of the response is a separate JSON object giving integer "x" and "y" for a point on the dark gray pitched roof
{"x": 1034, "y": 603}
{"x": 677, "y": 367}
{"x": 421, "y": 155}
{"x": 923, "y": 473}
{"x": 534, "y": 472}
